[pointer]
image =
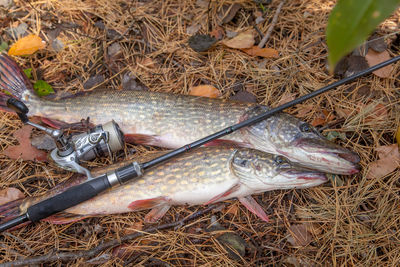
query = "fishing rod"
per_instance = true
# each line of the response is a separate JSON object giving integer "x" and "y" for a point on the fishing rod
{"x": 87, "y": 190}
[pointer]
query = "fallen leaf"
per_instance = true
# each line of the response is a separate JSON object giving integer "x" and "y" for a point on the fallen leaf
{"x": 242, "y": 40}
{"x": 201, "y": 42}
{"x": 228, "y": 12}
{"x": 194, "y": 28}
{"x": 261, "y": 52}
{"x": 374, "y": 58}
{"x": 244, "y": 96}
{"x": 218, "y": 33}
{"x": 304, "y": 110}
{"x": 24, "y": 150}
{"x": 377, "y": 43}
{"x": 318, "y": 121}
{"x": 389, "y": 160}
{"x": 323, "y": 118}
{"x": 286, "y": 97}
{"x": 27, "y": 45}
{"x": 205, "y": 90}
{"x": 42, "y": 88}
{"x": 299, "y": 235}
{"x": 378, "y": 113}
{"x": 10, "y": 194}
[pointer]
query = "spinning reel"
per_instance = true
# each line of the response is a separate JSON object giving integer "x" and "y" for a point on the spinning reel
{"x": 71, "y": 149}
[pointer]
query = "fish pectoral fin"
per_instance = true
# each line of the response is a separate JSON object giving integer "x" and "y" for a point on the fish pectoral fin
{"x": 144, "y": 204}
{"x": 141, "y": 139}
{"x": 254, "y": 207}
{"x": 156, "y": 213}
{"x": 65, "y": 217}
{"x": 224, "y": 194}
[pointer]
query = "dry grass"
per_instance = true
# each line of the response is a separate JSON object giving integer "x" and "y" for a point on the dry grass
{"x": 354, "y": 220}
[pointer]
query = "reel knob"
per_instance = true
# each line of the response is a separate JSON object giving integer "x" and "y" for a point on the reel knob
{"x": 19, "y": 107}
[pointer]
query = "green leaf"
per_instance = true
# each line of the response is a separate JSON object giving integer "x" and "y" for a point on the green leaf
{"x": 350, "y": 23}
{"x": 3, "y": 46}
{"x": 28, "y": 73}
{"x": 42, "y": 88}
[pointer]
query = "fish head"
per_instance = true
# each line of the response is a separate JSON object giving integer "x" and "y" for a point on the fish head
{"x": 300, "y": 142}
{"x": 262, "y": 171}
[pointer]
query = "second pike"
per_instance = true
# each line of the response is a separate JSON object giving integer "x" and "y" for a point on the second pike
{"x": 169, "y": 120}
{"x": 202, "y": 176}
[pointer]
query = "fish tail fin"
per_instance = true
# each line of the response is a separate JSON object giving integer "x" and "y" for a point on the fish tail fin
{"x": 12, "y": 77}
{"x": 11, "y": 210}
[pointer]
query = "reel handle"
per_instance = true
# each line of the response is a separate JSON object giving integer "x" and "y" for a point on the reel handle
{"x": 19, "y": 107}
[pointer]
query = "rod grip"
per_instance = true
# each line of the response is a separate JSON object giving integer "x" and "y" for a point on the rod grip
{"x": 68, "y": 198}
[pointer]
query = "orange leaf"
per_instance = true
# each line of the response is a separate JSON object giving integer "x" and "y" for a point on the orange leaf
{"x": 379, "y": 113}
{"x": 261, "y": 52}
{"x": 27, "y": 45}
{"x": 242, "y": 40}
{"x": 218, "y": 33}
{"x": 286, "y": 97}
{"x": 299, "y": 235}
{"x": 10, "y": 194}
{"x": 318, "y": 121}
{"x": 205, "y": 90}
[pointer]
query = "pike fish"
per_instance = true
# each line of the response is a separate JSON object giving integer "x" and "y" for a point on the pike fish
{"x": 171, "y": 121}
{"x": 202, "y": 176}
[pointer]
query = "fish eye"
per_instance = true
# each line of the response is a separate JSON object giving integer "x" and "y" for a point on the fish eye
{"x": 305, "y": 128}
{"x": 243, "y": 163}
{"x": 279, "y": 159}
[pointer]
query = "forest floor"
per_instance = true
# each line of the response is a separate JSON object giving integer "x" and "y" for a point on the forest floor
{"x": 351, "y": 220}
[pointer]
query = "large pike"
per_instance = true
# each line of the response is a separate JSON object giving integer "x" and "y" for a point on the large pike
{"x": 169, "y": 120}
{"x": 203, "y": 176}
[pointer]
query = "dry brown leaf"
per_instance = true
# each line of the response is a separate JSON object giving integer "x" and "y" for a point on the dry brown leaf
{"x": 205, "y": 90}
{"x": 10, "y": 194}
{"x": 27, "y": 45}
{"x": 324, "y": 118}
{"x": 286, "y": 97}
{"x": 389, "y": 160}
{"x": 304, "y": 110}
{"x": 374, "y": 58}
{"x": 242, "y": 40}
{"x": 299, "y": 235}
{"x": 379, "y": 113}
{"x": 261, "y": 52}
{"x": 24, "y": 150}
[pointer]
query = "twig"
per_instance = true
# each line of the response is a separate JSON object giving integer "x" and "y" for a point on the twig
{"x": 272, "y": 26}
{"x": 74, "y": 255}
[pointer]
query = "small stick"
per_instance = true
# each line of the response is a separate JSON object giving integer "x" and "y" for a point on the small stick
{"x": 74, "y": 255}
{"x": 272, "y": 26}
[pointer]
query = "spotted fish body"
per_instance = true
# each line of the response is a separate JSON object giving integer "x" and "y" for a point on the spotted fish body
{"x": 202, "y": 176}
{"x": 171, "y": 121}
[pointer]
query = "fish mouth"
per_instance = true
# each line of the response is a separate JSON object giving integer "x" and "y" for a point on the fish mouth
{"x": 327, "y": 156}
{"x": 305, "y": 174}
